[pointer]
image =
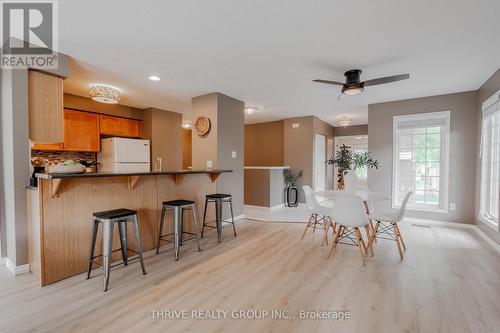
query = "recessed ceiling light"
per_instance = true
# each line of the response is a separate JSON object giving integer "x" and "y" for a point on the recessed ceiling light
{"x": 250, "y": 109}
{"x": 154, "y": 78}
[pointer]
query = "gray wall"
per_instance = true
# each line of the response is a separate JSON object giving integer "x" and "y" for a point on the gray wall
{"x": 230, "y": 137}
{"x": 351, "y": 130}
{"x": 463, "y": 149}
{"x": 226, "y": 135}
{"x": 491, "y": 86}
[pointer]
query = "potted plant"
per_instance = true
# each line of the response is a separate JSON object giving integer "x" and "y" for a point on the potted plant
{"x": 345, "y": 159}
{"x": 291, "y": 191}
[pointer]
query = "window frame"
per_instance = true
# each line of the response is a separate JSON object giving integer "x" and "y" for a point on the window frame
{"x": 444, "y": 163}
{"x": 491, "y": 101}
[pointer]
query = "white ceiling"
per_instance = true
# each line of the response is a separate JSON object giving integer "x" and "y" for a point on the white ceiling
{"x": 266, "y": 53}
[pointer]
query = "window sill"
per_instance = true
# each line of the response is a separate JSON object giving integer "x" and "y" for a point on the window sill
{"x": 424, "y": 209}
{"x": 489, "y": 223}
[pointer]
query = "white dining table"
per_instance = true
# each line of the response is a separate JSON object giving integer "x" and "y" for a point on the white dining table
{"x": 366, "y": 196}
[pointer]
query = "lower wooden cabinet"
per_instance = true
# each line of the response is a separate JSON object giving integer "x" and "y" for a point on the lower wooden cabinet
{"x": 117, "y": 126}
{"x": 81, "y": 131}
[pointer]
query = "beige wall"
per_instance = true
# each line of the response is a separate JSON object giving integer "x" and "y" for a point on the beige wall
{"x": 463, "y": 148}
{"x": 186, "y": 147}
{"x": 491, "y": 86}
{"x": 226, "y": 135}
{"x": 351, "y": 130}
{"x": 264, "y": 144}
{"x": 87, "y": 104}
{"x": 164, "y": 129}
{"x": 321, "y": 127}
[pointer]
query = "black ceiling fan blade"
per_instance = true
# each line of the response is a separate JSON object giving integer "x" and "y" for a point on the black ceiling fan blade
{"x": 330, "y": 82}
{"x": 387, "y": 79}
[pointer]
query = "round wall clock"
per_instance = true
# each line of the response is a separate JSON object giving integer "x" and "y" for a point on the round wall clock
{"x": 202, "y": 126}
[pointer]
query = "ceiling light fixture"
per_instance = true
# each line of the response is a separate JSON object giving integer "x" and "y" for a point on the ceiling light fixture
{"x": 352, "y": 89}
{"x": 345, "y": 121}
{"x": 186, "y": 125}
{"x": 104, "y": 93}
{"x": 154, "y": 78}
{"x": 250, "y": 109}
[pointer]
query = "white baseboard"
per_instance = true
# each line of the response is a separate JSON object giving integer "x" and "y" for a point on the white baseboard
{"x": 474, "y": 227}
{"x": 17, "y": 270}
{"x": 236, "y": 218}
{"x": 2, "y": 261}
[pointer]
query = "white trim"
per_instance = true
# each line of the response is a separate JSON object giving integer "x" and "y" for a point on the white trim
{"x": 236, "y": 218}
{"x": 265, "y": 208}
{"x": 17, "y": 270}
{"x": 2, "y": 261}
{"x": 474, "y": 227}
{"x": 267, "y": 167}
{"x": 495, "y": 98}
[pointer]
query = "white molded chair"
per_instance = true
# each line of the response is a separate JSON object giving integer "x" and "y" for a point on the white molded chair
{"x": 350, "y": 181}
{"x": 320, "y": 213}
{"x": 349, "y": 219}
{"x": 387, "y": 225}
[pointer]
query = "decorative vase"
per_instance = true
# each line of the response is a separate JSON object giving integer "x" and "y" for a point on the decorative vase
{"x": 292, "y": 196}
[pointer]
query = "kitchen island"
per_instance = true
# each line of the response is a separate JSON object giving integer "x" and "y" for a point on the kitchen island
{"x": 60, "y": 212}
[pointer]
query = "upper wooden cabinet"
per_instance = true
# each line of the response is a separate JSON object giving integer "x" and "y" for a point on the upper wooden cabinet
{"x": 117, "y": 126}
{"x": 45, "y": 103}
{"x": 81, "y": 131}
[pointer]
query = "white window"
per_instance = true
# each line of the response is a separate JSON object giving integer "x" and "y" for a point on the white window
{"x": 489, "y": 156}
{"x": 420, "y": 160}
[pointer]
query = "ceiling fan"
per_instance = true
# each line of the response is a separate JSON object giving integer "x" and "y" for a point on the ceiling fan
{"x": 353, "y": 84}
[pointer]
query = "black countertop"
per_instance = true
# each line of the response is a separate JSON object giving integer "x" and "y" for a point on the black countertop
{"x": 122, "y": 174}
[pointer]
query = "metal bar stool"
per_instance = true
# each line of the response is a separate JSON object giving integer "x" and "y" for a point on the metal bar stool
{"x": 219, "y": 199}
{"x": 108, "y": 219}
{"x": 178, "y": 207}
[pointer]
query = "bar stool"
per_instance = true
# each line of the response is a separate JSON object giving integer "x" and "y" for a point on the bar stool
{"x": 219, "y": 199}
{"x": 178, "y": 207}
{"x": 108, "y": 219}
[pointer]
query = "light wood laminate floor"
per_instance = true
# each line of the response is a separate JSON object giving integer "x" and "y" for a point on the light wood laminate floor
{"x": 448, "y": 282}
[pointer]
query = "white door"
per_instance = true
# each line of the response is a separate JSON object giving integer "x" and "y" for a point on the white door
{"x": 319, "y": 162}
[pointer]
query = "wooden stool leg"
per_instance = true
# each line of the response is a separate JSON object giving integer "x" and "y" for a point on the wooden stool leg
{"x": 307, "y": 226}
{"x": 400, "y": 237}
{"x": 338, "y": 232}
{"x": 360, "y": 242}
{"x": 394, "y": 228}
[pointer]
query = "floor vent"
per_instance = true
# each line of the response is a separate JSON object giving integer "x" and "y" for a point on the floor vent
{"x": 421, "y": 226}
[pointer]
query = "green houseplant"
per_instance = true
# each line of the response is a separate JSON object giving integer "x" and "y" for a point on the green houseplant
{"x": 345, "y": 159}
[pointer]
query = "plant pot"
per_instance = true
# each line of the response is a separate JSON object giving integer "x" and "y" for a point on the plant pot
{"x": 292, "y": 196}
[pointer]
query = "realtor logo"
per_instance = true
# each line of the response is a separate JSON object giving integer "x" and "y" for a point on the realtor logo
{"x": 29, "y": 34}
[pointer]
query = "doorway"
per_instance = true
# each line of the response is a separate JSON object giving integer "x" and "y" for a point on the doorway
{"x": 319, "y": 162}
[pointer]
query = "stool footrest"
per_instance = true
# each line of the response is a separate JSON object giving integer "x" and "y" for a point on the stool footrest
{"x": 184, "y": 239}
{"x": 115, "y": 264}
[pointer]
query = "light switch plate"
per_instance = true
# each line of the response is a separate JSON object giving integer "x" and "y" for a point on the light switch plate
{"x": 452, "y": 206}
{"x": 295, "y": 125}
{"x": 233, "y": 154}
{"x": 209, "y": 164}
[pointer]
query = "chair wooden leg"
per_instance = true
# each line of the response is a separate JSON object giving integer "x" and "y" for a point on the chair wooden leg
{"x": 338, "y": 232}
{"x": 360, "y": 242}
{"x": 307, "y": 226}
{"x": 369, "y": 236}
{"x": 373, "y": 231}
{"x": 394, "y": 228}
{"x": 326, "y": 227}
{"x": 315, "y": 223}
{"x": 400, "y": 237}
{"x": 374, "y": 236}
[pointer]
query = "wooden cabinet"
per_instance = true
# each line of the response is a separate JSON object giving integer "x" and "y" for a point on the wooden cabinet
{"x": 118, "y": 126}
{"x": 45, "y": 104}
{"x": 81, "y": 131}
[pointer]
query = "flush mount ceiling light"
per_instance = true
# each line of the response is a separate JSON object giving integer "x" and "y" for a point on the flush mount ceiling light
{"x": 104, "y": 93}
{"x": 345, "y": 121}
{"x": 250, "y": 109}
{"x": 154, "y": 78}
{"x": 186, "y": 125}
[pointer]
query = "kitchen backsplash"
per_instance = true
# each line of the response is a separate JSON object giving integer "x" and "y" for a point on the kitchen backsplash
{"x": 61, "y": 156}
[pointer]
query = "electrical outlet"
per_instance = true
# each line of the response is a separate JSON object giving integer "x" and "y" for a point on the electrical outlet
{"x": 233, "y": 154}
{"x": 209, "y": 164}
{"x": 452, "y": 206}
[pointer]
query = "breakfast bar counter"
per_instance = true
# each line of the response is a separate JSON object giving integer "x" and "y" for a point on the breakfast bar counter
{"x": 60, "y": 212}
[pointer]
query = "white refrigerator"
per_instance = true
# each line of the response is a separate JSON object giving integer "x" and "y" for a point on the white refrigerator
{"x": 124, "y": 155}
